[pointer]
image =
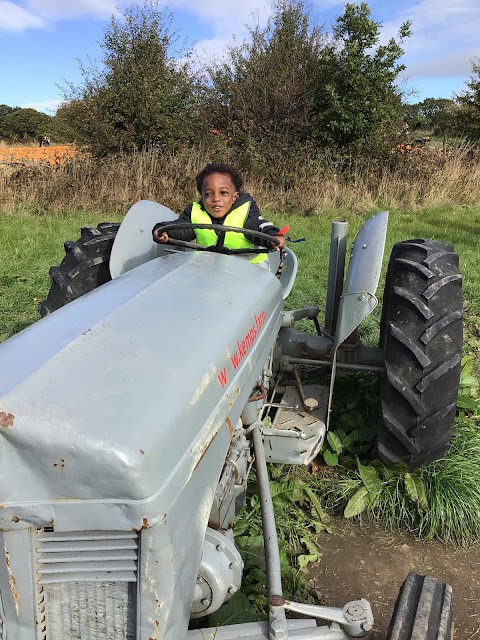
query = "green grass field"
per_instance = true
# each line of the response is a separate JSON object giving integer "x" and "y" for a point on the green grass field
{"x": 31, "y": 244}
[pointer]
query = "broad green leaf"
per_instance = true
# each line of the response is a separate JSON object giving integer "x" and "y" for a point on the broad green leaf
{"x": 357, "y": 503}
{"x": 411, "y": 487}
{"x": 305, "y": 560}
{"x": 330, "y": 458}
{"x": 310, "y": 544}
{"x": 370, "y": 478}
{"x": 468, "y": 381}
{"x": 395, "y": 470}
{"x": 335, "y": 442}
{"x": 464, "y": 402}
{"x": 236, "y": 611}
{"x": 322, "y": 514}
{"x": 319, "y": 527}
{"x": 421, "y": 492}
{"x": 467, "y": 366}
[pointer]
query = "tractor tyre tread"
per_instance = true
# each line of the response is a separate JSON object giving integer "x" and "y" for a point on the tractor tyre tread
{"x": 421, "y": 334}
{"x": 84, "y": 267}
{"x": 423, "y": 610}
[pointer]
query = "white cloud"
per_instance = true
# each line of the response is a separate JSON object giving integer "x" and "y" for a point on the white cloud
{"x": 47, "y": 106}
{"x": 41, "y": 14}
{"x": 14, "y": 18}
{"x": 438, "y": 27}
{"x": 62, "y": 9}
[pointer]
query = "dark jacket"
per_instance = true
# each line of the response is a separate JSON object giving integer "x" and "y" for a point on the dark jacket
{"x": 255, "y": 221}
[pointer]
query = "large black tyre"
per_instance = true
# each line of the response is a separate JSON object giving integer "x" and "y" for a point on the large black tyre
{"x": 421, "y": 333}
{"x": 84, "y": 267}
{"x": 423, "y": 610}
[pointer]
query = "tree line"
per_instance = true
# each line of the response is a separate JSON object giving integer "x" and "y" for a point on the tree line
{"x": 290, "y": 88}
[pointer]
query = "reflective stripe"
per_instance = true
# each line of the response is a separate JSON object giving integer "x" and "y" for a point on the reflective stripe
{"x": 236, "y": 218}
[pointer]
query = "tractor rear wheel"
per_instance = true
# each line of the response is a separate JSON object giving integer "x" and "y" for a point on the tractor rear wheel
{"x": 84, "y": 267}
{"x": 423, "y": 610}
{"x": 421, "y": 334}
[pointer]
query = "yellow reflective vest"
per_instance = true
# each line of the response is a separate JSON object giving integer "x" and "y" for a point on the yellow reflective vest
{"x": 236, "y": 218}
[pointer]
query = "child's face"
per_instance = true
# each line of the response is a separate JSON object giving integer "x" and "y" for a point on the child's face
{"x": 219, "y": 194}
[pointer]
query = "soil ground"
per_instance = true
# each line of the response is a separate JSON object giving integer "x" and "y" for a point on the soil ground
{"x": 367, "y": 561}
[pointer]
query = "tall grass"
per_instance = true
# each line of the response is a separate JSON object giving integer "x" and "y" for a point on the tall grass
{"x": 307, "y": 185}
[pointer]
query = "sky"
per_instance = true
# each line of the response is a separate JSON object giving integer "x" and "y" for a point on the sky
{"x": 44, "y": 42}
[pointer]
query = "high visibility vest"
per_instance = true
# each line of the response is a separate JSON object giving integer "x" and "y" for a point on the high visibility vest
{"x": 236, "y": 218}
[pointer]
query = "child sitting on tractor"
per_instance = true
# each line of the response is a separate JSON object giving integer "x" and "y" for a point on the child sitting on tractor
{"x": 222, "y": 202}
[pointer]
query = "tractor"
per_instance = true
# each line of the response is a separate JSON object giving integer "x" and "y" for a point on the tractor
{"x": 133, "y": 411}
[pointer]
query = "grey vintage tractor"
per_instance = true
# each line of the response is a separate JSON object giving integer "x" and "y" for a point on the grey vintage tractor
{"x": 131, "y": 417}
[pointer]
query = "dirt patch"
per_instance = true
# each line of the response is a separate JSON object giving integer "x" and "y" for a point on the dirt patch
{"x": 366, "y": 561}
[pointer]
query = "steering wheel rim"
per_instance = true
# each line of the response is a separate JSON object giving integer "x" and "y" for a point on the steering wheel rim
{"x": 219, "y": 246}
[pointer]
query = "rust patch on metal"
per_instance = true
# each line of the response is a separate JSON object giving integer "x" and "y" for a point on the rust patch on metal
{"x": 15, "y": 519}
{"x": 145, "y": 525}
{"x": 205, "y": 449}
{"x": 6, "y": 419}
{"x": 276, "y": 600}
{"x": 155, "y": 633}
{"x": 12, "y": 583}
{"x": 230, "y": 426}
{"x": 142, "y": 452}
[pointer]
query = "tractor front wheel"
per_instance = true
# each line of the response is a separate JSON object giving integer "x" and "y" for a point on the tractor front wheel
{"x": 421, "y": 334}
{"x": 84, "y": 267}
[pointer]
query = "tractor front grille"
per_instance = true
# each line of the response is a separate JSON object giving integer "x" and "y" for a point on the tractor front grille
{"x": 87, "y": 585}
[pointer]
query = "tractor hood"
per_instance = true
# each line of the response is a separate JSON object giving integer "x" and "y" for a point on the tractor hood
{"x": 114, "y": 399}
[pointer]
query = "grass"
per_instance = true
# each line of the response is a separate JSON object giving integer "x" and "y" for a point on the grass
{"x": 440, "y": 501}
{"x": 310, "y": 185}
{"x": 30, "y": 246}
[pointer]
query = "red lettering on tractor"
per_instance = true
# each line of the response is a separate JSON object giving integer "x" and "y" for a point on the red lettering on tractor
{"x": 222, "y": 377}
{"x": 248, "y": 341}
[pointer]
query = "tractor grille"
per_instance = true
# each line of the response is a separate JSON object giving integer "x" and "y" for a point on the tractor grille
{"x": 87, "y": 585}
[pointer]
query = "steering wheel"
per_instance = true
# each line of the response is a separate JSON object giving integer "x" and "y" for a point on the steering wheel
{"x": 219, "y": 247}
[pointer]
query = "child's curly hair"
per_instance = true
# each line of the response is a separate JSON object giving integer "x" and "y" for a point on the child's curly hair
{"x": 219, "y": 167}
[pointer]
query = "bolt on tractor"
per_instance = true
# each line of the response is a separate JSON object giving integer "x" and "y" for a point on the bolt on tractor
{"x": 133, "y": 412}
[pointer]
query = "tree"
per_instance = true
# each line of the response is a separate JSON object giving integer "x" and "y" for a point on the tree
{"x": 24, "y": 124}
{"x": 261, "y": 97}
{"x": 141, "y": 94}
{"x": 414, "y": 116}
{"x": 435, "y": 114}
{"x": 357, "y": 104}
{"x": 469, "y": 102}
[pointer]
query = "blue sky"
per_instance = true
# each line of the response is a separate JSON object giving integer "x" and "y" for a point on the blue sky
{"x": 43, "y": 41}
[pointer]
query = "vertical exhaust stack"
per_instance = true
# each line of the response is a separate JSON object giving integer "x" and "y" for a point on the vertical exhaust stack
{"x": 336, "y": 269}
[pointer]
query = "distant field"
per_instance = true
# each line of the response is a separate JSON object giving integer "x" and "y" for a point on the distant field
{"x": 52, "y": 155}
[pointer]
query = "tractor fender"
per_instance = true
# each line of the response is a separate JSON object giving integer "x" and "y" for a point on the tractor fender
{"x": 358, "y": 299}
{"x": 133, "y": 244}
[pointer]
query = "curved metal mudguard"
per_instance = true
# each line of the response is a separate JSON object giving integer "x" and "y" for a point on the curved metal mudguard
{"x": 358, "y": 299}
{"x": 133, "y": 244}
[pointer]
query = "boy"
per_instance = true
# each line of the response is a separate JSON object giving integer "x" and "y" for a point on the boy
{"x": 222, "y": 202}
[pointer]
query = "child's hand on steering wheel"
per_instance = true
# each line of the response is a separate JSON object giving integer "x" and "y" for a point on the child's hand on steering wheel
{"x": 160, "y": 236}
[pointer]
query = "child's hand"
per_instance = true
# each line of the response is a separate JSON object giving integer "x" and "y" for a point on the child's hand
{"x": 281, "y": 243}
{"x": 160, "y": 236}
